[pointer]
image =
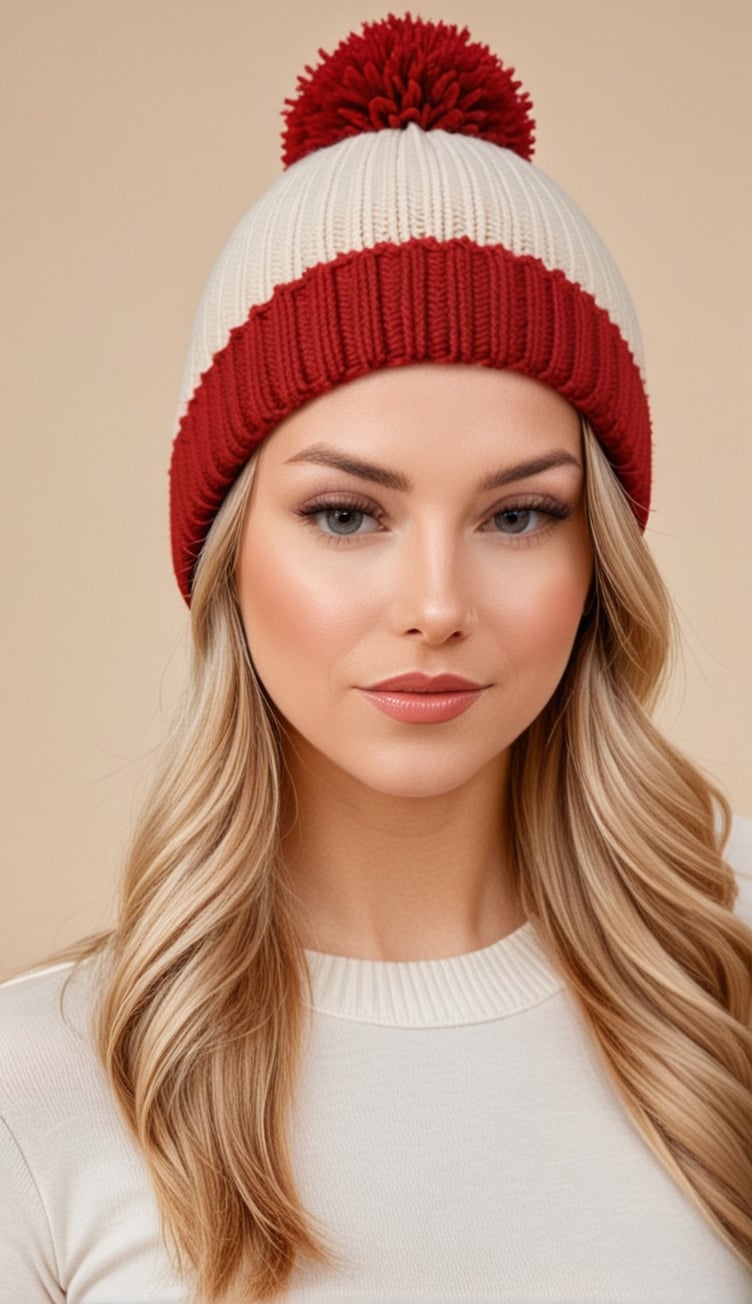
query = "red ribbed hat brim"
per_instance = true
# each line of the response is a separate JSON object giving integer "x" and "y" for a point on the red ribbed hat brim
{"x": 389, "y": 306}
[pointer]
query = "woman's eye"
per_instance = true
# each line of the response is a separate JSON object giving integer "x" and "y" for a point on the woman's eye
{"x": 342, "y": 520}
{"x": 338, "y": 520}
{"x": 515, "y": 520}
{"x": 529, "y": 519}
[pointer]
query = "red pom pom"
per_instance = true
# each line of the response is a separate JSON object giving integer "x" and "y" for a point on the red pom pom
{"x": 403, "y": 70}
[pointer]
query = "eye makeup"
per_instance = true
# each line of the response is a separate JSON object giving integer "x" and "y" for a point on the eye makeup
{"x": 354, "y": 506}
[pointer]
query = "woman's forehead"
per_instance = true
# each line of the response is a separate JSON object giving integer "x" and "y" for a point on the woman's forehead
{"x": 456, "y": 413}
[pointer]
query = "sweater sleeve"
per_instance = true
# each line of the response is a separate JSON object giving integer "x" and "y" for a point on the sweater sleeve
{"x": 27, "y": 1260}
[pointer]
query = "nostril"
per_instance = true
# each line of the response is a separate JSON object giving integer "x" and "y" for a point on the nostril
{"x": 439, "y": 637}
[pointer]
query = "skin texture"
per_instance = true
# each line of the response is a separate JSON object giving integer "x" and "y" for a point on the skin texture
{"x": 397, "y": 848}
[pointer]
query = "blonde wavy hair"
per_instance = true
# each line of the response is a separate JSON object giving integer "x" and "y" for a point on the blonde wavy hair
{"x": 616, "y": 842}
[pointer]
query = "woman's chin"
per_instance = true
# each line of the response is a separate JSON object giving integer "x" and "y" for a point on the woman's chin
{"x": 394, "y": 772}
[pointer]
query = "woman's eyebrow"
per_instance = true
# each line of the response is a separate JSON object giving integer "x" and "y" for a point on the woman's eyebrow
{"x": 522, "y": 470}
{"x": 325, "y": 455}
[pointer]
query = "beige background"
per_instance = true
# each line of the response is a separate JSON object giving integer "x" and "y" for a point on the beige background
{"x": 136, "y": 134}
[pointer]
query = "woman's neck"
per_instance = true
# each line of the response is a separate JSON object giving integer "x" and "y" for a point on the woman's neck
{"x": 383, "y": 877}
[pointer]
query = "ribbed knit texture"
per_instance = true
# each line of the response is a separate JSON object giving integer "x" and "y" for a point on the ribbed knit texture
{"x": 324, "y": 280}
{"x": 391, "y": 306}
{"x": 390, "y": 187}
{"x": 497, "y": 981}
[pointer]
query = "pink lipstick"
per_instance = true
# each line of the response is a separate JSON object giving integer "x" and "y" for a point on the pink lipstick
{"x": 423, "y": 699}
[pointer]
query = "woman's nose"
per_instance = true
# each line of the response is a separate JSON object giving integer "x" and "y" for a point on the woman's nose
{"x": 433, "y": 597}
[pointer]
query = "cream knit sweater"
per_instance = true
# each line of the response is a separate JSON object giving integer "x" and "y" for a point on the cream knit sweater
{"x": 454, "y": 1130}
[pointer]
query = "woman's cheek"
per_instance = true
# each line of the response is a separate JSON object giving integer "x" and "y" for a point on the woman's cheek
{"x": 292, "y": 614}
{"x": 541, "y": 612}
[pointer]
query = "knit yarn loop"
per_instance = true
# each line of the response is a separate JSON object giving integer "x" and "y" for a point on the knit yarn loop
{"x": 403, "y": 70}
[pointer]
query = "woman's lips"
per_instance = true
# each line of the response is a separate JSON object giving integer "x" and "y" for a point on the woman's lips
{"x": 423, "y": 706}
{"x": 416, "y": 682}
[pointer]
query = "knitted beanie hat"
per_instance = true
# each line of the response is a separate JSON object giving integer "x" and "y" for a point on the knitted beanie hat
{"x": 409, "y": 226}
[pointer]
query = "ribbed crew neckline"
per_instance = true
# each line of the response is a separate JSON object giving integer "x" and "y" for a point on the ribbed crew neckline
{"x": 494, "y": 982}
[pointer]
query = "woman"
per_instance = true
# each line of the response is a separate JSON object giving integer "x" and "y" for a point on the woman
{"x": 427, "y": 981}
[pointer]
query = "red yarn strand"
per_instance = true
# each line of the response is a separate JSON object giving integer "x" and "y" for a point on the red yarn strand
{"x": 404, "y": 70}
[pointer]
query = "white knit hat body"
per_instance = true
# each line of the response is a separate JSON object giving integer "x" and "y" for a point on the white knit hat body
{"x": 396, "y": 186}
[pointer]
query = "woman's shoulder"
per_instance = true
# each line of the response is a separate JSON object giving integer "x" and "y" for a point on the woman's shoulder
{"x": 738, "y": 854}
{"x": 46, "y": 1044}
{"x": 48, "y": 993}
{"x": 75, "y": 1201}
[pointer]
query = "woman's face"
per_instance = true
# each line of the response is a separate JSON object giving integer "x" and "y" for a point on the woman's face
{"x": 421, "y": 520}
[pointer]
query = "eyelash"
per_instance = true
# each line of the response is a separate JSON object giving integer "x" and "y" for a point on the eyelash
{"x": 546, "y": 506}
{"x": 344, "y": 503}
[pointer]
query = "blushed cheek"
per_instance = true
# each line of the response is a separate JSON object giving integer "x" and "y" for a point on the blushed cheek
{"x": 542, "y": 624}
{"x": 294, "y": 622}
